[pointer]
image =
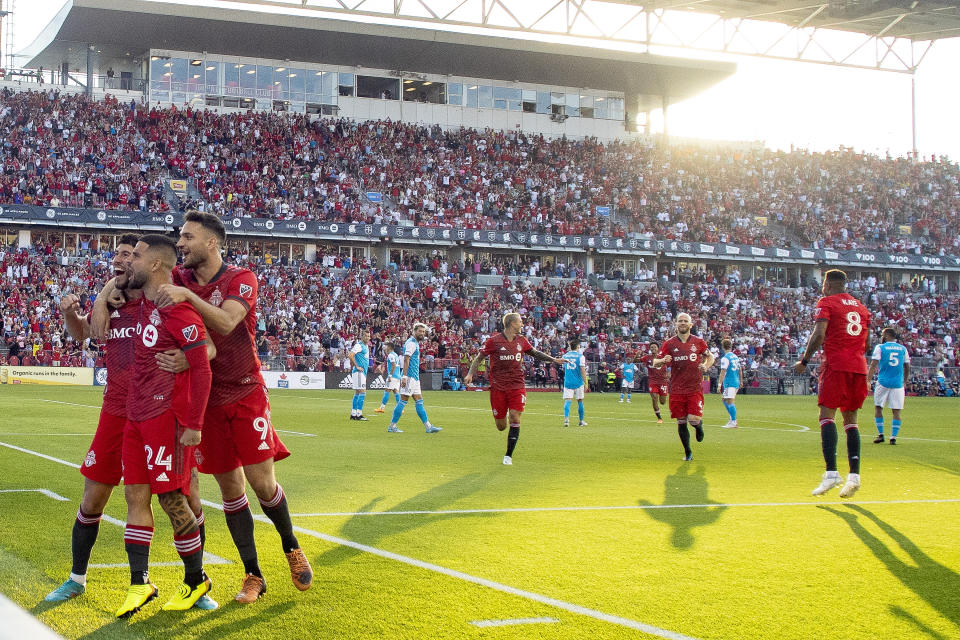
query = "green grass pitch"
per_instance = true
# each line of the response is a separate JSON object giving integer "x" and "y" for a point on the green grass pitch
{"x": 594, "y": 532}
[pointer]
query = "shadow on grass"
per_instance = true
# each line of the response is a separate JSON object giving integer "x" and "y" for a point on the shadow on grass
{"x": 371, "y": 529}
{"x": 684, "y": 487}
{"x": 936, "y": 584}
{"x": 905, "y": 615}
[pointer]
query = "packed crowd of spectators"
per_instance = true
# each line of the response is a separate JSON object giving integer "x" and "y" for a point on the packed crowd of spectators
{"x": 69, "y": 150}
{"x": 310, "y": 313}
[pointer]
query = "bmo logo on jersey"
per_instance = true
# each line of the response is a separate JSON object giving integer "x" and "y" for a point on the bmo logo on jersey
{"x": 149, "y": 335}
{"x": 119, "y": 333}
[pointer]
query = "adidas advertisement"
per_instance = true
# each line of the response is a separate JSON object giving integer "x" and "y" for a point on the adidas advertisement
{"x": 294, "y": 379}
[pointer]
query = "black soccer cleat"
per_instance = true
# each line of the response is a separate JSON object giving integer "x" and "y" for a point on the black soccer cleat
{"x": 879, "y": 439}
{"x": 893, "y": 441}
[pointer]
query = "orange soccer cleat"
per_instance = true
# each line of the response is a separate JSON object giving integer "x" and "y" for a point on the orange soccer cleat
{"x": 300, "y": 571}
{"x": 253, "y": 587}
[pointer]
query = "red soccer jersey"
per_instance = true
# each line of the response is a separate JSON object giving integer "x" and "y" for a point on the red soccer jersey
{"x": 685, "y": 374}
{"x": 160, "y": 329}
{"x": 655, "y": 377}
{"x": 848, "y": 325}
{"x": 120, "y": 350}
{"x": 506, "y": 361}
{"x": 236, "y": 369}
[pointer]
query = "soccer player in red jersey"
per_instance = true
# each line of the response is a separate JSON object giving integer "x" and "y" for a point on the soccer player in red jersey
{"x": 688, "y": 357}
{"x": 164, "y": 419}
{"x": 240, "y": 444}
{"x": 658, "y": 380}
{"x": 507, "y": 387}
{"x": 101, "y": 466}
{"x": 842, "y": 327}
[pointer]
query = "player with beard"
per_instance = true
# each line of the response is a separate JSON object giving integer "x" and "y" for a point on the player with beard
{"x": 240, "y": 444}
{"x": 507, "y": 388}
{"x": 164, "y": 418}
{"x": 688, "y": 357}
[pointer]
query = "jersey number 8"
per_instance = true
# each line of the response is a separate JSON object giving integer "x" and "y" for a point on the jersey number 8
{"x": 854, "y": 324}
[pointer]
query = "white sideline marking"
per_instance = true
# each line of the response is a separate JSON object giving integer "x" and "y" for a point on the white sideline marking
{"x": 536, "y": 597}
{"x": 46, "y": 492}
{"x": 93, "y": 406}
{"x": 514, "y": 621}
{"x": 628, "y": 507}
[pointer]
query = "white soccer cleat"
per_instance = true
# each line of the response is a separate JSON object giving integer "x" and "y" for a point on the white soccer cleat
{"x": 850, "y": 488}
{"x": 566, "y": 423}
{"x": 583, "y": 423}
{"x": 621, "y": 400}
{"x": 830, "y": 480}
{"x": 507, "y": 460}
{"x": 628, "y": 400}
{"x": 731, "y": 424}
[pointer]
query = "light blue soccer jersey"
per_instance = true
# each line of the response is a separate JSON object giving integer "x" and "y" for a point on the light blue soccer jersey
{"x": 629, "y": 370}
{"x": 890, "y": 357}
{"x": 412, "y": 348}
{"x": 361, "y": 354}
{"x": 394, "y": 365}
{"x": 731, "y": 363}
{"x": 572, "y": 374}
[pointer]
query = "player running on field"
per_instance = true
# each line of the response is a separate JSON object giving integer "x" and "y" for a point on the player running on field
{"x": 658, "y": 380}
{"x": 842, "y": 327}
{"x": 164, "y": 418}
{"x": 393, "y": 368}
{"x": 240, "y": 443}
{"x": 101, "y": 466}
{"x": 731, "y": 381}
{"x": 892, "y": 360}
{"x": 574, "y": 381}
{"x": 360, "y": 360}
{"x": 507, "y": 387}
{"x": 688, "y": 357}
{"x": 629, "y": 371}
{"x": 410, "y": 382}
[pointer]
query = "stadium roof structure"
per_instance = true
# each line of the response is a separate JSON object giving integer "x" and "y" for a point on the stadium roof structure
{"x": 136, "y": 26}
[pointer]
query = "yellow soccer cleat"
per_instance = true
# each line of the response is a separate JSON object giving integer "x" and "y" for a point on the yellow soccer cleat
{"x": 185, "y": 597}
{"x": 137, "y": 596}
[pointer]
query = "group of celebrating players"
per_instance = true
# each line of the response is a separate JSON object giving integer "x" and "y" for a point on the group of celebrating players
{"x": 178, "y": 403}
{"x": 172, "y": 408}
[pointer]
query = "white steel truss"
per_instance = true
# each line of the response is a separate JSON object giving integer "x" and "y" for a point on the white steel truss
{"x": 669, "y": 26}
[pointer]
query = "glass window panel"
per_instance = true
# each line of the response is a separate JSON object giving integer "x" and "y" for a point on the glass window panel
{"x": 248, "y": 79}
{"x": 161, "y": 72}
{"x": 265, "y": 84}
{"x": 212, "y": 71}
{"x": 455, "y": 93}
{"x": 529, "y": 95}
{"x": 313, "y": 82}
{"x": 543, "y": 102}
{"x": 500, "y": 97}
{"x": 297, "y": 78}
{"x": 329, "y": 87}
{"x": 556, "y": 98}
{"x": 231, "y": 79}
{"x": 486, "y": 96}
{"x": 573, "y": 104}
{"x": 472, "y": 93}
{"x": 616, "y": 108}
{"x": 346, "y": 79}
{"x": 601, "y": 108}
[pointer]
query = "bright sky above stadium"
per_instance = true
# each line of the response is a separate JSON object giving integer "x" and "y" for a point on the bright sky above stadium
{"x": 780, "y": 103}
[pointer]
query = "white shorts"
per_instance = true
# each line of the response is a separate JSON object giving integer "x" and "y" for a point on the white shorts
{"x": 626, "y": 384}
{"x": 359, "y": 381}
{"x": 892, "y": 398}
{"x": 393, "y": 384}
{"x": 573, "y": 394}
{"x": 412, "y": 388}
{"x": 729, "y": 393}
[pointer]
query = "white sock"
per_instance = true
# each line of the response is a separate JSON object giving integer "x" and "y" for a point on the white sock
{"x": 79, "y": 579}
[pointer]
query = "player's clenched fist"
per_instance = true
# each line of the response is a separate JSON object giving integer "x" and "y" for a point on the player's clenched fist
{"x": 70, "y": 303}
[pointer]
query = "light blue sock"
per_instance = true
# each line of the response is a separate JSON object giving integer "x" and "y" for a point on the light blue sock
{"x": 895, "y": 428}
{"x": 396, "y": 396}
{"x": 566, "y": 410}
{"x": 580, "y": 409}
{"x": 628, "y": 395}
{"x": 879, "y": 422}
{"x": 398, "y": 411}
{"x": 360, "y": 400}
{"x": 353, "y": 406}
{"x": 422, "y": 413}
{"x": 733, "y": 412}
{"x": 386, "y": 398}
{"x": 621, "y": 395}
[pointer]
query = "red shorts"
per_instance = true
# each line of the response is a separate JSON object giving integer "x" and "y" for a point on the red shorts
{"x": 502, "y": 401}
{"x": 239, "y": 434}
{"x": 686, "y": 404}
{"x": 152, "y": 454}
{"x": 659, "y": 389}
{"x": 842, "y": 390}
{"x": 103, "y": 462}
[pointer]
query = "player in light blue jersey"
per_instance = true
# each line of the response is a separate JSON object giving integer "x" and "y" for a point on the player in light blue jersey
{"x": 393, "y": 368}
{"x": 731, "y": 381}
{"x": 410, "y": 381}
{"x": 574, "y": 380}
{"x": 360, "y": 359}
{"x": 892, "y": 361}
{"x": 629, "y": 370}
